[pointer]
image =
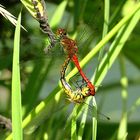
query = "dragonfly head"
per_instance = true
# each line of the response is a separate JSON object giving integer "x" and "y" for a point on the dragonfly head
{"x": 85, "y": 91}
{"x": 61, "y": 33}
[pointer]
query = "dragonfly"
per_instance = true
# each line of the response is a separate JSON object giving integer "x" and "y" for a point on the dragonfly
{"x": 78, "y": 95}
{"x": 70, "y": 47}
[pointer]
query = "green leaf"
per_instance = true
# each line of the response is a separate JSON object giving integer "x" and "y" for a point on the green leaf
{"x": 16, "y": 87}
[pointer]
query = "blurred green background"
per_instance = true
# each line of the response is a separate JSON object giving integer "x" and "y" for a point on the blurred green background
{"x": 40, "y": 73}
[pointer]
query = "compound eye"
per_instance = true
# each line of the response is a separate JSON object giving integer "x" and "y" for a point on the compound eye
{"x": 65, "y": 33}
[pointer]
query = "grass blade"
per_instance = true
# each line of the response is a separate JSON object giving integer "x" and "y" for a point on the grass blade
{"x": 73, "y": 124}
{"x": 9, "y": 16}
{"x": 16, "y": 89}
{"x": 122, "y": 131}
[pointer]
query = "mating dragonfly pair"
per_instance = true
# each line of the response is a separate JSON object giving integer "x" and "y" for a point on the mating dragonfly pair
{"x": 71, "y": 49}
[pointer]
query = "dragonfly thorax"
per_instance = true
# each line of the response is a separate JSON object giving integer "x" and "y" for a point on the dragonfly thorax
{"x": 69, "y": 46}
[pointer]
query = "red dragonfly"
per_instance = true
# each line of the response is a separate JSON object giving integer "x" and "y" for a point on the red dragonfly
{"x": 71, "y": 49}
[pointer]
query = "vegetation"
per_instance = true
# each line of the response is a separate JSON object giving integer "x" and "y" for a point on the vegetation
{"x": 107, "y": 34}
